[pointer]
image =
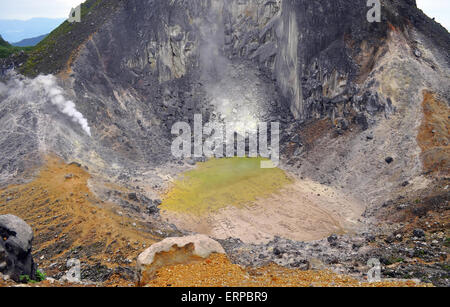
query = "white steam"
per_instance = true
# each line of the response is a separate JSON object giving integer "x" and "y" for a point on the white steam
{"x": 55, "y": 94}
{"x": 232, "y": 87}
{"x": 43, "y": 88}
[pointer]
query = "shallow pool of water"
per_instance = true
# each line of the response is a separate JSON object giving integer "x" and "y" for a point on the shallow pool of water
{"x": 219, "y": 183}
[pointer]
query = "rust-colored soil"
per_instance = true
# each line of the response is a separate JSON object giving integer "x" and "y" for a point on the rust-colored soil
{"x": 314, "y": 131}
{"x": 218, "y": 271}
{"x": 309, "y": 134}
{"x": 434, "y": 135}
{"x": 65, "y": 73}
{"x": 70, "y": 222}
{"x": 426, "y": 209}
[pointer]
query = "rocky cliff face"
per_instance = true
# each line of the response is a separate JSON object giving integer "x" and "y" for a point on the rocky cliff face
{"x": 312, "y": 49}
{"x": 133, "y": 68}
{"x": 363, "y": 106}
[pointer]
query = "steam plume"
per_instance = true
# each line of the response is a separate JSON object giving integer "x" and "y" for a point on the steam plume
{"x": 43, "y": 88}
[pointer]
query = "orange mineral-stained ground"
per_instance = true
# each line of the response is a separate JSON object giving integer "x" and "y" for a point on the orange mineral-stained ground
{"x": 69, "y": 221}
{"x": 434, "y": 134}
{"x": 218, "y": 271}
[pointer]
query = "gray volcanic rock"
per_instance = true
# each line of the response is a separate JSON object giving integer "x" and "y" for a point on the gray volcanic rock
{"x": 141, "y": 66}
{"x": 15, "y": 248}
{"x": 144, "y": 65}
{"x": 150, "y": 64}
{"x": 348, "y": 93}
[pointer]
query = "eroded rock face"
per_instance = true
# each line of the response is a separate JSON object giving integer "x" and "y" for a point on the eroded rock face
{"x": 150, "y": 64}
{"x": 153, "y": 63}
{"x": 174, "y": 251}
{"x": 15, "y": 248}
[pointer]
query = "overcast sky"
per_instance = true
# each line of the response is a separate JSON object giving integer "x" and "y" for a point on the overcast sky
{"x": 439, "y": 9}
{"x": 26, "y": 9}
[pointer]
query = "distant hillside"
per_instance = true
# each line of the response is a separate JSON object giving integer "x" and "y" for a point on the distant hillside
{"x": 3, "y": 43}
{"x": 17, "y": 30}
{"x": 53, "y": 53}
{"x": 30, "y": 41}
{"x": 7, "y": 49}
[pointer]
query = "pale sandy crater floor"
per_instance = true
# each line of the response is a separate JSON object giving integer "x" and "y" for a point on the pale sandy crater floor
{"x": 302, "y": 211}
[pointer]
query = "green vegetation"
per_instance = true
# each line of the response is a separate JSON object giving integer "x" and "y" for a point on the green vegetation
{"x": 48, "y": 43}
{"x": 45, "y": 47}
{"x": 40, "y": 276}
{"x": 419, "y": 253}
{"x": 3, "y": 43}
{"x": 447, "y": 242}
{"x": 26, "y": 279}
{"x": 219, "y": 183}
{"x": 6, "y": 49}
{"x": 53, "y": 53}
{"x": 394, "y": 260}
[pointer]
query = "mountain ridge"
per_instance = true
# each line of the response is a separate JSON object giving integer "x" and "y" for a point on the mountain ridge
{"x": 29, "y": 42}
{"x": 17, "y": 30}
{"x": 362, "y": 109}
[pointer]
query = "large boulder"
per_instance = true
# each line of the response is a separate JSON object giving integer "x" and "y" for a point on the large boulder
{"x": 15, "y": 248}
{"x": 172, "y": 251}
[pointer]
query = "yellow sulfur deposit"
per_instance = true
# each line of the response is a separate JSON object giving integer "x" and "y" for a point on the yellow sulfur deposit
{"x": 219, "y": 183}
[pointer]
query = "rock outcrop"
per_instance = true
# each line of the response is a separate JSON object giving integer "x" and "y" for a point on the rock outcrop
{"x": 350, "y": 96}
{"x": 15, "y": 248}
{"x": 174, "y": 251}
{"x": 134, "y": 68}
